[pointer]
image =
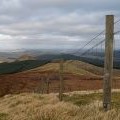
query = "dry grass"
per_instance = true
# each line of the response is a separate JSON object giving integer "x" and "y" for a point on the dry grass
{"x": 48, "y": 107}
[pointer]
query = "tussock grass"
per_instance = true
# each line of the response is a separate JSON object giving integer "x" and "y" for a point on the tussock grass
{"x": 30, "y": 106}
{"x": 79, "y": 99}
{"x": 3, "y": 116}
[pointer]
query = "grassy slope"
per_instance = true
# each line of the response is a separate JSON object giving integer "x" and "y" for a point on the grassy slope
{"x": 69, "y": 67}
{"x": 48, "y": 107}
{"x": 74, "y": 67}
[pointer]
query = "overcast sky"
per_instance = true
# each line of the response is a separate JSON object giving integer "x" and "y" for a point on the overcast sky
{"x": 36, "y": 24}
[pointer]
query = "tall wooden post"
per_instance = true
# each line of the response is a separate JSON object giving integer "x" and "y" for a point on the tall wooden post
{"x": 108, "y": 64}
{"x": 61, "y": 81}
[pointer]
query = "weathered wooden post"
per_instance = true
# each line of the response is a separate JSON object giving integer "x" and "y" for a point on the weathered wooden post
{"x": 48, "y": 84}
{"x": 42, "y": 85}
{"x": 61, "y": 81}
{"x": 108, "y": 64}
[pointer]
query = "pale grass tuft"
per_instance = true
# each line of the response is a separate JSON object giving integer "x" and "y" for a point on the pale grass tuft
{"x": 48, "y": 107}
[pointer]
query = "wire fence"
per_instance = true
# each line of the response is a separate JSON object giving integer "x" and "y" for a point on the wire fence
{"x": 86, "y": 73}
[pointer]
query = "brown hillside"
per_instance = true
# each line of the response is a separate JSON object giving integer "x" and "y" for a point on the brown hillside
{"x": 77, "y": 76}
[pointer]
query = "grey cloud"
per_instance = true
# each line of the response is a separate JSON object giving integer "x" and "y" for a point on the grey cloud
{"x": 69, "y": 4}
{"x": 53, "y": 22}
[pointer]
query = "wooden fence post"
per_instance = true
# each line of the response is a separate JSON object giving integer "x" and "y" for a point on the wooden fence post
{"x": 108, "y": 64}
{"x": 61, "y": 81}
{"x": 48, "y": 84}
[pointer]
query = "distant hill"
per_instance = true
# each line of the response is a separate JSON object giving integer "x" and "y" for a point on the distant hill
{"x": 10, "y": 56}
{"x": 57, "y": 56}
{"x": 95, "y": 60}
{"x": 2, "y": 61}
{"x": 25, "y": 57}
